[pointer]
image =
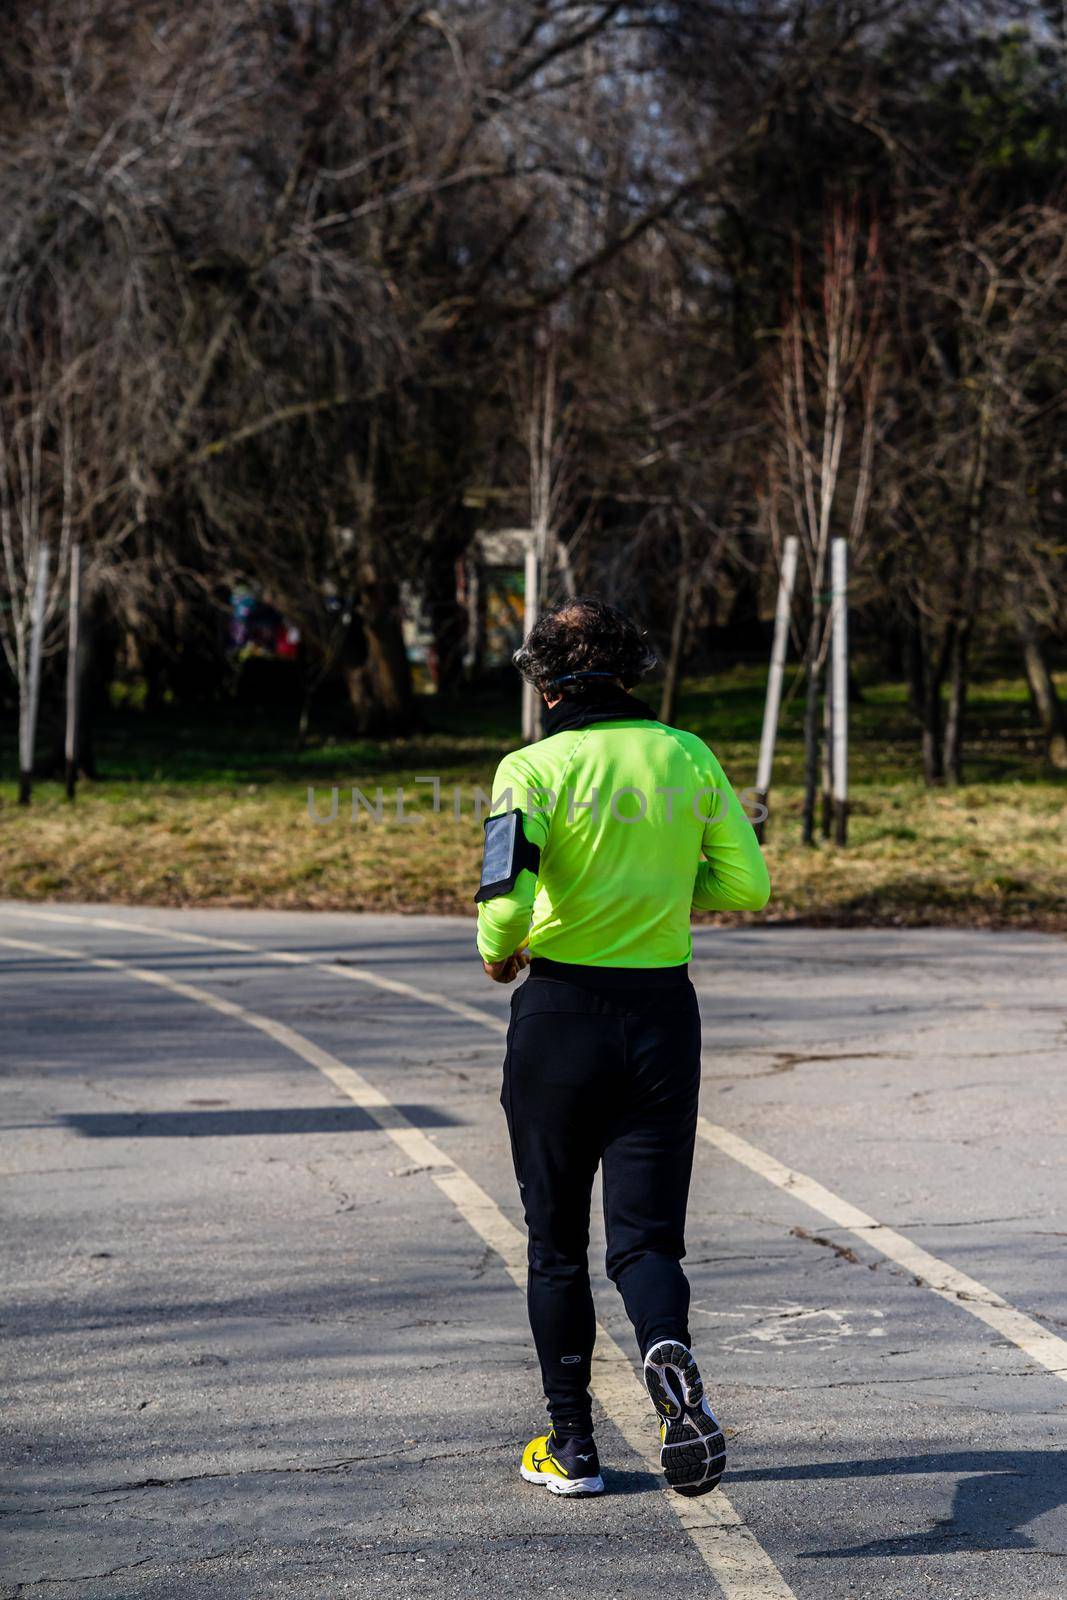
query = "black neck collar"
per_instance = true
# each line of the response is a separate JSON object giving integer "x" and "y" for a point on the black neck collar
{"x": 610, "y": 704}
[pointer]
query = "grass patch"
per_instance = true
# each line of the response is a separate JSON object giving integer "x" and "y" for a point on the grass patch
{"x": 213, "y": 811}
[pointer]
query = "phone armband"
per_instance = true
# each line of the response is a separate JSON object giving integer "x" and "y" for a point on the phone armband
{"x": 505, "y": 854}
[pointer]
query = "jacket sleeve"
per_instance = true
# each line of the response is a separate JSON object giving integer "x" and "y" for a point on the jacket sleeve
{"x": 733, "y": 875}
{"x": 504, "y": 921}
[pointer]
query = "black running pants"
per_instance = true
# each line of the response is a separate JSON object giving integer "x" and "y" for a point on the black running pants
{"x": 602, "y": 1068}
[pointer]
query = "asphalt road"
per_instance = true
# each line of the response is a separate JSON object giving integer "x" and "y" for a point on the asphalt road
{"x": 259, "y": 1338}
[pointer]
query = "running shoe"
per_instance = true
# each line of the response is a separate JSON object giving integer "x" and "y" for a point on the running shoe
{"x": 568, "y": 1467}
{"x": 692, "y": 1447}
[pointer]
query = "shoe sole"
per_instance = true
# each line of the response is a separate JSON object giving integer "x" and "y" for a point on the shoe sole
{"x": 566, "y": 1486}
{"x": 693, "y": 1452}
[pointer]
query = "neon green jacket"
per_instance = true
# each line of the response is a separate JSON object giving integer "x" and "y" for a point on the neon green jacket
{"x": 637, "y": 825}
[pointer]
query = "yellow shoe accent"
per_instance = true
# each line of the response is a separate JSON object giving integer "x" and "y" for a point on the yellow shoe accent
{"x": 538, "y": 1457}
{"x": 540, "y": 1465}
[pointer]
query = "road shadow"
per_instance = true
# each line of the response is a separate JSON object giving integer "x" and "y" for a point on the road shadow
{"x": 622, "y": 1480}
{"x": 211, "y": 1124}
{"x": 997, "y": 1493}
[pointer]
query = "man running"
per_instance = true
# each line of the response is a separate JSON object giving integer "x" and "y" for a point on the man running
{"x": 603, "y": 836}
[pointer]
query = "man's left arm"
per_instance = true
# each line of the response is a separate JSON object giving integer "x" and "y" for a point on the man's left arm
{"x": 516, "y": 832}
{"x": 733, "y": 874}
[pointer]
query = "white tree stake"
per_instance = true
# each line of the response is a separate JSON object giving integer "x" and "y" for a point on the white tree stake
{"x": 839, "y": 587}
{"x": 531, "y": 700}
{"x": 773, "y": 702}
{"x": 73, "y": 640}
{"x": 31, "y": 693}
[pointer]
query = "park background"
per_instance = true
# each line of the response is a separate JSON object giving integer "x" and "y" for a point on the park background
{"x": 317, "y": 317}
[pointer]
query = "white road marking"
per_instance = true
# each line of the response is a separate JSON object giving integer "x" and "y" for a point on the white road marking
{"x": 431, "y": 997}
{"x": 791, "y": 1323}
{"x": 1046, "y": 1348}
{"x": 1042, "y": 1346}
{"x": 730, "y": 1549}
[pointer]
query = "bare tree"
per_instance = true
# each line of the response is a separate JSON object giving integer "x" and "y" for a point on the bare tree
{"x": 978, "y": 457}
{"x": 298, "y": 245}
{"x": 37, "y": 489}
{"x": 827, "y": 382}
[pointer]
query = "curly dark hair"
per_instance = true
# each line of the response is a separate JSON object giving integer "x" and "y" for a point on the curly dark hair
{"x": 578, "y": 645}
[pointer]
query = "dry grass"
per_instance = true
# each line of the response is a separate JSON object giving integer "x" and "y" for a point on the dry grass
{"x": 212, "y": 810}
{"x": 979, "y": 856}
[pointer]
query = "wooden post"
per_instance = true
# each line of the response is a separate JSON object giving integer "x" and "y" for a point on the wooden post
{"x": 30, "y": 691}
{"x": 772, "y": 705}
{"x": 839, "y": 645}
{"x": 73, "y": 643}
{"x": 531, "y": 700}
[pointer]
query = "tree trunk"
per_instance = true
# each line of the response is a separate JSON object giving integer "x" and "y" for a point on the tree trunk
{"x": 354, "y": 671}
{"x": 811, "y": 700}
{"x": 932, "y": 722}
{"x": 952, "y": 764}
{"x": 811, "y": 736}
{"x": 741, "y": 628}
{"x": 566, "y": 568}
{"x": 477, "y": 617}
{"x": 969, "y": 598}
{"x": 838, "y": 679}
{"x": 387, "y": 659}
{"x": 827, "y": 755}
{"x": 303, "y": 722}
{"x": 154, "y": 669}
{"x": 71, "y": 742}
{"x": 773, "y": 702}
{"x": 448, "y": 613}
{"x": 531, "y": 609}
{"x": 374, "y": 661}
{"x": 915, "y": 664}
{"x": 30, "y": 681}
{"x": 669, "y": 696}
{"x": 926, "y": 676}
{"x": 1047, "y": 703}
{"x": 96, "y": 671}
{"x": 894, "y": 644}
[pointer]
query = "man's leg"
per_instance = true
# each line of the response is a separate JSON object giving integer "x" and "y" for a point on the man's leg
{"x": 647, "y": 1166}
{"x": 553, "y": 1106}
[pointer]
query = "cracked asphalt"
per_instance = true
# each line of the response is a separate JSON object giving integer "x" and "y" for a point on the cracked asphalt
{"x": 250, "y": 1350}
